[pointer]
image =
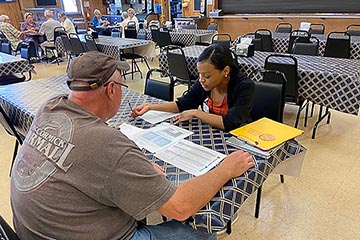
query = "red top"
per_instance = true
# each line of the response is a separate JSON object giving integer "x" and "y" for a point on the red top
{"x": 218, "y": 108}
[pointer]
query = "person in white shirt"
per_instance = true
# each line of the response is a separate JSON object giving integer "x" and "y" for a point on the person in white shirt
{"x": 132, "y": 17}
{"x": 66, "y": 23}
{"x": 47, "y": 29}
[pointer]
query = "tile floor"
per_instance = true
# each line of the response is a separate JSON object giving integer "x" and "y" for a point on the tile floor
{"x": 323, "y": 203}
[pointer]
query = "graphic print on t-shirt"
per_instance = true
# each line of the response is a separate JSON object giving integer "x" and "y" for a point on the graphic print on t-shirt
{"x": 45, "y": 149}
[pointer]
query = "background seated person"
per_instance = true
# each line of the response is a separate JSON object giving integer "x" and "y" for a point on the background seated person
{"x": 91, "y": 190}
{"x": 100, "y": 21}
{"x": 30, "y": 24}
{"x": 47, "y": 29}
{"x": 66, "y": 23}
{"x": 132, "y": 17}
{"x": 13, "y": 36}
{"x": 224, "y": 94}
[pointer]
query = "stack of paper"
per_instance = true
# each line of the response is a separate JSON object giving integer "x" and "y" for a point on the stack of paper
{"x": 264, "y": 134}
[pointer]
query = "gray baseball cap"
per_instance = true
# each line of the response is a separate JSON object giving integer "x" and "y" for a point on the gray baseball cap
{"x": 94, "y": 68}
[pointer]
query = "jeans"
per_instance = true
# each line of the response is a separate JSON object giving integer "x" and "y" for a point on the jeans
{"x": 173, "y": 230}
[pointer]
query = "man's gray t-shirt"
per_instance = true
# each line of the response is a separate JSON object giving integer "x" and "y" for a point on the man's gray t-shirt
{"x": 47, "y": 28}
{"x": 77, "y": 178}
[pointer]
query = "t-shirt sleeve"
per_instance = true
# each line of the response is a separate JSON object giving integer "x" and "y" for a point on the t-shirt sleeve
{"x": 192, "y": 99}
{"x": 136, "y": 187}
{"x": 239, "y": 113}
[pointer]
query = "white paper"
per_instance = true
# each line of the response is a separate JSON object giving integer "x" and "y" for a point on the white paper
{"x": 190, "y": 157}
{"x": 161, "y": 136}
{"x": 155, "y": 117}
{"x": 131, "y": 132}
{"x": 246, "y": 40}
{"x": 305, "y": 26}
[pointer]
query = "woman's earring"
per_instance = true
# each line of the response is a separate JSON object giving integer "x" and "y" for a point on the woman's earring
{"x": 226, "y": 75}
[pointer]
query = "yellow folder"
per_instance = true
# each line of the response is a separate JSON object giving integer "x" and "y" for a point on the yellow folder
{"x": 266, "y": 133}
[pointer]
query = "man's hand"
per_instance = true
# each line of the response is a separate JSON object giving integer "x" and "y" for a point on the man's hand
{"x": 237, "y": 163}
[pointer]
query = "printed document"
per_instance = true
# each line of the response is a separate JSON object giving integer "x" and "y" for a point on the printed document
{"x": 155, "y": 117}
{"x": 161, "y": 136}
{"x": 190, "y": 157}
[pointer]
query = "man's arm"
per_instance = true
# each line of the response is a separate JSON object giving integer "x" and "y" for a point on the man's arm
{"x": 192, "y": 195}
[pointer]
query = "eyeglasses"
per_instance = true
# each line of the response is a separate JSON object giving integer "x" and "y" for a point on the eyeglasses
{"x": 121, "y": 84}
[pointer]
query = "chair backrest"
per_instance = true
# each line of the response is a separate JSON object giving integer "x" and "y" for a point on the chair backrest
{"x": 177, "y": 64}
{"x": 131, "y": 24}
{"x": 190, "y": 26}
{"x": 59, "y": 31}
{"x": 300, "y": 35}
{"x": 212, "y": 26}
{"x": 266, "y": 39}
{"x": 317, "y": 28}
{"x": 6, "y": 231}
{"x": 154, "y": 33}
{"x": 337, "y": 45}
{"x": 130, "y": 32}
{"x": 67, "y": 44}
{"x": 164, "y": 38}
{"x": 310, "y": 48}
{"x": 286, "y": 64}
{"x": 283, "y": 27}
{"x": 76, "y": 44}
{"x": 159, "y": 89}
{"x": 221, "y": 38}
{"x": 353, "y": 29}
{"x": 269, "y": 100}
{"x": 90, "y": 43}
{"x": 116, "y": 32}
{"x": 6, "y": 47}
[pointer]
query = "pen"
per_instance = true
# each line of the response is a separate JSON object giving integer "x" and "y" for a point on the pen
{"x": 206, "y": 166}
{"x": 131, "y": 109}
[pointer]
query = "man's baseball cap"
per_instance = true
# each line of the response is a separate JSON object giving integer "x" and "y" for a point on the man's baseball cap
{"x": 94, "y": 68}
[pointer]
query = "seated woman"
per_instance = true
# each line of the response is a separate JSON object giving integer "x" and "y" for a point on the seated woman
{"x": 224, "y": 94}
{"x": 100, "y": 21}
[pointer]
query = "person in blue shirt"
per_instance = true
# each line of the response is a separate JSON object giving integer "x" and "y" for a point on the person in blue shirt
{"x": 100, "y": 21}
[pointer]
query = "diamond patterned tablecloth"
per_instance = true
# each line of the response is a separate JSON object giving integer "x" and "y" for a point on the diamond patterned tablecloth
{"x": 21, "y": 102}
{"x": 281, "y": 43}
{"x": 187, "y": 37}
{"x": 332, "y": 82}
{"x": 11, "y": 64}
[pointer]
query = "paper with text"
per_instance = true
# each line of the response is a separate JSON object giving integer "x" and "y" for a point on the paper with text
{"x": 190, "y": 157}
{"x": 155, "y": 117}
{"x": 161, "y": 136}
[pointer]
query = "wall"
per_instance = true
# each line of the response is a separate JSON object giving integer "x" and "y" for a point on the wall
{"x": 189, "y": 10}
{"x": 12, "y": 9}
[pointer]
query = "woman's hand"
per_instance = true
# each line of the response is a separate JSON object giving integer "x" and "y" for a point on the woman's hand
{"x": 139, "y": 110}
{"x": 185, "y": 116}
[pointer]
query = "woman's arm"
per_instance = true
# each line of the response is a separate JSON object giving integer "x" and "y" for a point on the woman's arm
{"x": 166, "y": 107}
{"x": 209, "y": 118}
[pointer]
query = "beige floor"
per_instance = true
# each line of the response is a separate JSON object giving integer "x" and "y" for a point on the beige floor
{"x": 323, "y": 203}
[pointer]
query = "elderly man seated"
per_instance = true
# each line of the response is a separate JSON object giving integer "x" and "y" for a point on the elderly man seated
{"x": 13, "y": 36}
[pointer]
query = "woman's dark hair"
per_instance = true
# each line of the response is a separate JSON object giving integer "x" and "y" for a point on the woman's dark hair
{"x": 220, "y": 56}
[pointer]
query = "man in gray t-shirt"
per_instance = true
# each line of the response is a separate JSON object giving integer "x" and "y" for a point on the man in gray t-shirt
{"x": 77, "y": 178}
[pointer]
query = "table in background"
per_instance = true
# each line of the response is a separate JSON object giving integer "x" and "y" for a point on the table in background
{"x": 187, "y": 37}
{"x": 331, "y": 82}
{"x": 281, "y": 43}
{"x": 10, "y": 64}
{"x": 21, "y": 102}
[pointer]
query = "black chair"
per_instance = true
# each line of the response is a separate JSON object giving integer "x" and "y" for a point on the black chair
{"x": 76, "y": 44}
{"x": 178, "y": 66}
{"x": 353, "y": 29}
{"x": 116, "y": 32}
{"x": 337, "y": 45}
{"x": 11, "y": 130}
{"x": 6, "y": 232}
{"x": 317, "y": 28}
{"x": 212, "y": 26}
{"x": 301, "y": 36}
{"x": 310, "y": 48}
{"x": 283, "y": 27}
{"x": 130, "y": 32}
{"x": 58, "y": 31}
{"x": 221, "y": 38}
{"x": 90, "y": 43}
{"x": 68, "y": 49}
{"x": 131, "y": 24}
{"x": 287, "y": 64}
{"x": 269, "y": 101}
{"x": 159, "y": 89}
{"x": 164, "y": 38}
{"x": 155, "y": 34}
{"x": 265, "y": 37}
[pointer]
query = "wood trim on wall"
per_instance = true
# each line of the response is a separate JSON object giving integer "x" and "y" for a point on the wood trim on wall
{"x": 12, "y": 9}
